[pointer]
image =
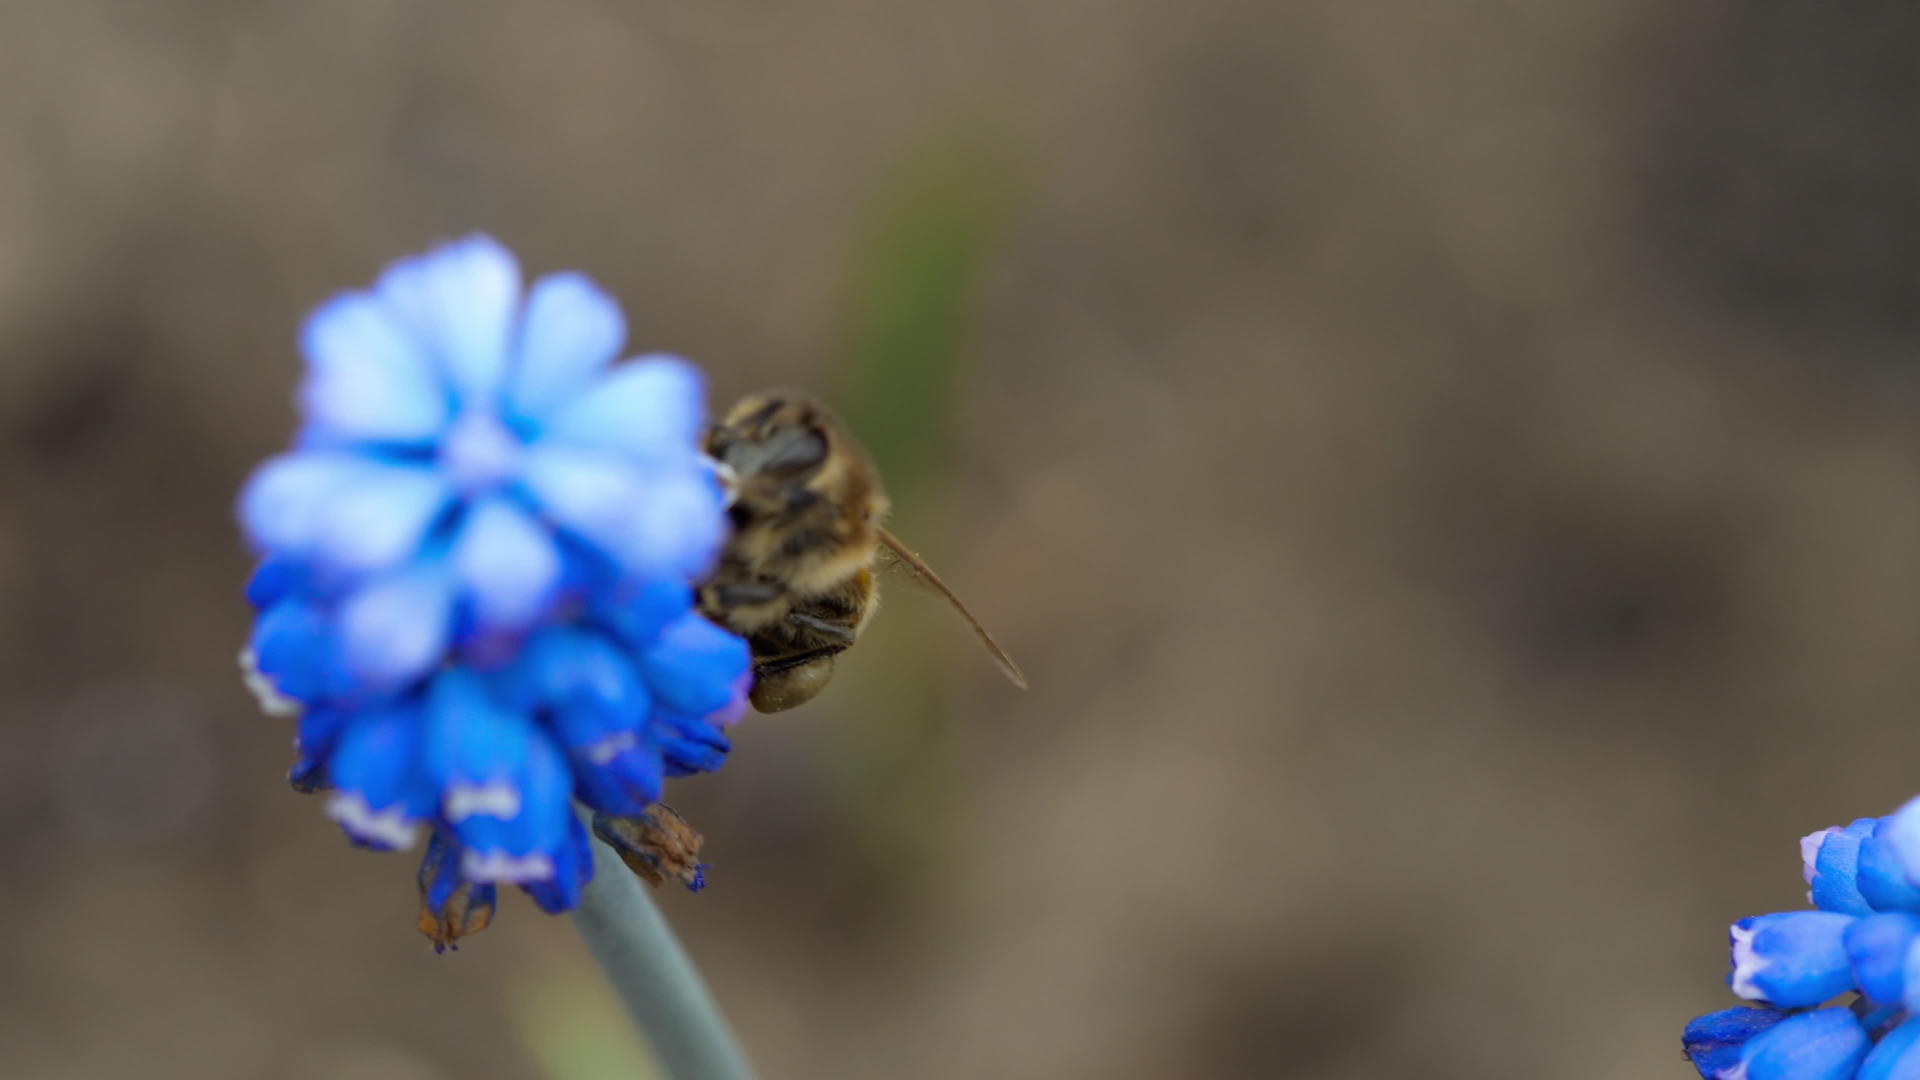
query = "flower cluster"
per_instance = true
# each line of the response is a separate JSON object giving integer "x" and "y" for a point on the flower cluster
{"x": 1862, "y": 940}
{"x": 475, "y": 576}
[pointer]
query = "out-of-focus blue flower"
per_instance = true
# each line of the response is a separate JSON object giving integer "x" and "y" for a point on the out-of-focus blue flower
{"x": 468, "y": 463}
{"x": 1895, "y": 1057}
{"x": 1880, "y": 950}
{"x": 1884, "y": 880}
{"x": 1791, "y": 960}
{"x": 1713, "y": 1042}
{"x": 1828, "y": 1044}
{"x": 476, "y": 569}
{"x": 1830, "y": 860}
{"x": 1864, "y": 939}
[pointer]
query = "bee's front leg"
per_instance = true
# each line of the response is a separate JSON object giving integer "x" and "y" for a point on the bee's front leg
{"x": 822, "y": 627}
{"x": 776, "y": 665}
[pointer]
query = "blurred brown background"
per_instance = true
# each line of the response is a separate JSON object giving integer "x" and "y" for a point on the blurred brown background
{"x": 1452, "y": 473}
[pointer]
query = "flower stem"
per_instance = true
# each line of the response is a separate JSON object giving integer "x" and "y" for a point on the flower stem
{"x": 654, "y": 976}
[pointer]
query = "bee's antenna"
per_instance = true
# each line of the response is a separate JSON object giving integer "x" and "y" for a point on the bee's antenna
{"x": 925, "y": 573}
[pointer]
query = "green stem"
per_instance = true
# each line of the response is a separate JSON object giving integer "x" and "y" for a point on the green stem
{"x": 654, "y": 976}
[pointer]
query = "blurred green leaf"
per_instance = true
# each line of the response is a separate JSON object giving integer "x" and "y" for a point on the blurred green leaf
{"x": 914, "y": 279}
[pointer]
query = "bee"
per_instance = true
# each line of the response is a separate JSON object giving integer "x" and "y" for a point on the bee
{"x": 796, "y": 578}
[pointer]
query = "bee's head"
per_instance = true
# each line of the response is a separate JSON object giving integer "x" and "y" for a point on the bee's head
{"x": 780, "y": 435}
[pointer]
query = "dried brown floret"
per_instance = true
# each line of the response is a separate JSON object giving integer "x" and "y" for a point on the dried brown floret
{"x": 657, "y": 846}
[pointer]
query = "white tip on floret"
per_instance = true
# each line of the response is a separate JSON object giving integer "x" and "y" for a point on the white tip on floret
{"x": 612, "y": 747}
{"x": 497, "y": 799}
{"x": 1810, "y": 845}
{"x": 271, "y": 700}
{"x": 504, "y": 866}
{"x": 1747, "y": 964}
{"x": 390, "y": 827}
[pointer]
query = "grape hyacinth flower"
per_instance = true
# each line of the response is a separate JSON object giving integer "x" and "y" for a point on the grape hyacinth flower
{"x": 475, "y": 577}
{"x": 1862, "y": 941}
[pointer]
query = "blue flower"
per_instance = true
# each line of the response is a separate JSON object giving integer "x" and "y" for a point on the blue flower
{"x": 1863, "y": 940}
{"x": 1885, "y": 856}
{"x": 1828, "y": 1044}
{"x": 1791, "y": 960}
{"x": 1894, "y": 1058}
{"x": 1713, "y": 1042}
{"x": 1831, "y": 860}
{"x": 476, "y": 574}
{"x": 468, "y": 464}
{"x": 1880, "y": 950}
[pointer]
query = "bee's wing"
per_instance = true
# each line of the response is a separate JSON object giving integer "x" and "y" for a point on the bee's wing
{"x": 922, "y": 571}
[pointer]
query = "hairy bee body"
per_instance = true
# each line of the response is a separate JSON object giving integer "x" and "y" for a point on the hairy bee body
{"x": 796, "y": 578}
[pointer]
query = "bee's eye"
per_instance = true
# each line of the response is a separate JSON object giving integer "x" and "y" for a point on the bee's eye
{"x": 793, "y": 450}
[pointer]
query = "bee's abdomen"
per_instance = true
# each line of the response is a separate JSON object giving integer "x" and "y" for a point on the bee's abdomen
{"x": 741, "y": 603}
{"x": 793, "y": 534}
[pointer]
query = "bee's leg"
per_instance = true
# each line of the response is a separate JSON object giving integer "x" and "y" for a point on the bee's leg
{"x": 777, "y": 664}
{"x": 826, "y": 628}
